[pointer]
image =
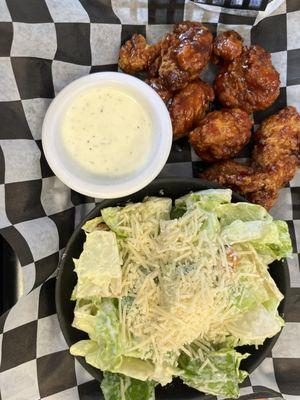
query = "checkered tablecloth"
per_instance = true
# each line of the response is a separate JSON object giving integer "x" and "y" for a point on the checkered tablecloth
{"x": 44, "y": 45}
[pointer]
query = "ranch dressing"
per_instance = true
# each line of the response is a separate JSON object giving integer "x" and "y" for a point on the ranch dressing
{"x": 107, "y": 132}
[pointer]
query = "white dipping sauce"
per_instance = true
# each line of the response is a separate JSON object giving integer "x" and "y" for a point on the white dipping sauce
{"x": 107, "y": 132}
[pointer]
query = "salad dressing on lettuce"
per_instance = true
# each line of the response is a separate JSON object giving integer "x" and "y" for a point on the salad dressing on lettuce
{"x": 107, "y": 132}
{"x": 172, "y": 291}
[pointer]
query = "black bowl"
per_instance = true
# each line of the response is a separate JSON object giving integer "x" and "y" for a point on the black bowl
{"x": 66, "y": 280}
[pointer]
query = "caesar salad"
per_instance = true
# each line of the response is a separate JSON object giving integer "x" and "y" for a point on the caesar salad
{"x": 169, "y": 291}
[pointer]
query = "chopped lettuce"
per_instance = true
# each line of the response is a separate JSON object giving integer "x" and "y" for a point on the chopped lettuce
{"x": 122, "y": 387}
{"x": 99, "y": 267}
{"x": 228, "y": 213}
{"x": 218, "y": 374}
{"x": 152, "y": 210}
{"x": 92, "y": 225}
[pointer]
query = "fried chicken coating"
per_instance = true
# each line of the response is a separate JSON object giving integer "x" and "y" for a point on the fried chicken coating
{"x": 227, "y": 46}
{"x": 277, "y": 137}
{"x": 136, "y": 54}
{"x": 184, "y": 54}
{"x": 189, "y": 106}
{"x": 221, "y": 134}
{"x": 158, "y": 85}
{"x": 275, "y": 160}
{"x": 249, "y": 82}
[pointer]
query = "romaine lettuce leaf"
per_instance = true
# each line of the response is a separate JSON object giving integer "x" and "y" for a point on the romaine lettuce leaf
{"x": 121, "y": 387}
{"x": 218, "y": 374}
{"x": 228, "y": 213}
{"x": 102, "y": 326}
{"x": 151, "y": 210}
{"x": 240, "y": 232}
{"x": 92, "y": 224}
{"x": 99, "y": 266}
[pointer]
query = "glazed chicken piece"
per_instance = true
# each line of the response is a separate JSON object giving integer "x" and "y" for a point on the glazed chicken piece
{"x": 221, "y": 134}
{"x": 189, "y": 106}
{"x": 158, "y": 85}
{"x": 136, "y": 54}
{"x": 249, "y": 82}
{"x": 275, "y": 160}
{"x": 277, "y": 137}
{"x": 184, "y": 54}
{"x": 227, "y": 46}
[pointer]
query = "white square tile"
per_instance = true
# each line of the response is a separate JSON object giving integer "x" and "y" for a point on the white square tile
{"x": 8, "y": 86}
{"x": 194, "y": 155}
{"x": 49, "y": 336}
{"x": 294, "y": 270}
{"x": 28, "y": 272}
{"x": 296, "y": 223}
{"x": 35, "y": 110}
{"x": 279, "y": 61}
{"x": 295, "y": 182}
{"x": 20, "y": 383}
{"x": 293, "y": 96}
{"x": 4, "y": 13}
{"x": 281, "y": 9}
{"x": 264, "y": 375}
{"x": 64, "y": 73}
{"x": 22, "y": 160}
{"x": 282, "y": 209}
{"x": 55, "y": 195}
{"x": 293, "y": 31}
{"x": 105, "y": 43}
{"x": 41, "y": 235}
{"x": 67, "y": 11}
{"x": 246, "y": 390}
{"x": 3, "y": 217}
{"x": 82, "y": 376}
{"x": 69, "y": 394}
{"x": 195, "y": 12}
{"x": 155, "y": 32}
{"x": 287, "y": 345}
{"x": 34, "y": 40}
{"x": 131, "y": 13}
{"x": 24, "y": 311}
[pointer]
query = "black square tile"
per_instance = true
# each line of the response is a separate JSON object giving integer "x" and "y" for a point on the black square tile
{"x": 287, "y": 375}
{"x": 18, "y": 243}
{"x": 2, "y": 320}
{"x": 198, "y": 167}
{"x": 235, "y": 19}
{"x": 47, "y": 299}
{"x": 78, "y": 198}
{"x": 293, "y": 70}
{"x": 129, "y": 30}
{"x": 292, "y": 5}
{"x": 295, "y": 192}
{"x": 56, "y": 372}
{"x": 271, "y": 33}
{"x": 29, "y": 11}
{"x": 2, "y": 167}
{"x": 44, "y": 268}
{"x": 165, "y": 12}
{"x": 33, "y": 77}
{"x": 180, "y": 151}
{"x": 89, "y": 390}
{"x": 65, "y": 225}
{"x": 292, "y": 235}
{"x": 13, "y": 121}
{"x": 73, "y": 43}
{"x": 292, "y": 310}
{"x": 23, "y": 201}
{"x": 101, "y": 68}
{"x": 45, "y": 168}
{"x": 19, "y": 345}
{"x": 279, "y": 103}
{"x": 100, "y": 11}
{"x": 6, "y": 36}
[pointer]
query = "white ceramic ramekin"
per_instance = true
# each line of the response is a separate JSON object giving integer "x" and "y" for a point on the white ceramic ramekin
{"x": 92, "y": 185}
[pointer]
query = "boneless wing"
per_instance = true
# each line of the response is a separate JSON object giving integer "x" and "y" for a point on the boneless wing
{"x": 136, "y": 54}
{"x": 189, "y": 106}
{"x": 227, "y": 46}
{"x": 249, "y": 81}
{"x": 221, "y": 134}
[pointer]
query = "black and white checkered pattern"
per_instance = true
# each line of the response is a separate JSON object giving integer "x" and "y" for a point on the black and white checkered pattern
{"x": 44, "y": 45}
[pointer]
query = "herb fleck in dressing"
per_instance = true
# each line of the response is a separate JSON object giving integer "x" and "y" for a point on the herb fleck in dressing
{"x": 107, "y": 132}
